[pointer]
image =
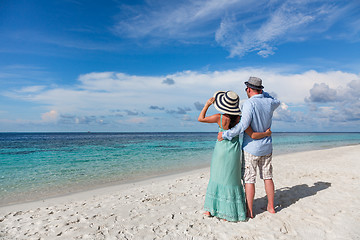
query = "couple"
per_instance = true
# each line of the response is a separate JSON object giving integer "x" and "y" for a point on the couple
{"x": 225, "y": 197}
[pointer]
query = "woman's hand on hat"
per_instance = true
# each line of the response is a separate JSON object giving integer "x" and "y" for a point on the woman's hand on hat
{"x": 210, "y": 101}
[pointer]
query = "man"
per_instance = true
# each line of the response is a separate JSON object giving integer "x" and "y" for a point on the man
{"x": 257, "y": 112}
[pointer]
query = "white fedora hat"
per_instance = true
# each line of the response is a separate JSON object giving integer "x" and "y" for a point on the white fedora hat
{"x": 227, "y": 102}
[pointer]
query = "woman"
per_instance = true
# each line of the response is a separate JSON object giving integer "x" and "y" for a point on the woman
{"x": 225, "y": 196}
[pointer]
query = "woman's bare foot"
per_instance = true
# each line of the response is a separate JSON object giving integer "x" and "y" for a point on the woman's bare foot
{"x": 249, "y": 214}
{"x": 208, "y": 214}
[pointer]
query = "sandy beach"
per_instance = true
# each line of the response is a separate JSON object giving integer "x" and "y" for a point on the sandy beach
{"x": 317, "y": 196}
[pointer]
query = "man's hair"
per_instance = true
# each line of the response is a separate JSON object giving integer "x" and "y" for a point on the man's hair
{"x": 256, "y": 90}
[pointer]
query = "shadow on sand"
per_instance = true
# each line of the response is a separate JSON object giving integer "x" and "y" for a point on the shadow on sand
{"x": 285, "y": 197}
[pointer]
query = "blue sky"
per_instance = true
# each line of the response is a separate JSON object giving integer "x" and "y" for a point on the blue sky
{"x": 76, "y": 65}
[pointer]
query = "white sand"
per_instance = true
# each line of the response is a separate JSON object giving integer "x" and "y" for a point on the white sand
{"x": 317, "y": 197}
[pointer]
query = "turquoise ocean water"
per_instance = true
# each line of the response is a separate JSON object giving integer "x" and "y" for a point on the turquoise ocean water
{"x": 39, "y": 165}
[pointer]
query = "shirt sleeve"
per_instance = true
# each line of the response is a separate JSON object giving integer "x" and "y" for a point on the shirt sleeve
{"x": 275, "y": 103}
{"x": 244, "y": 123}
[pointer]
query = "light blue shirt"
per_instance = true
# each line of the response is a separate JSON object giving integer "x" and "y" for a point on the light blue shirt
{"x": 256, "y": 112}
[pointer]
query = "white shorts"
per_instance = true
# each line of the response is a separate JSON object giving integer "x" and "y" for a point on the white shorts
{"x": 251, "y": 162}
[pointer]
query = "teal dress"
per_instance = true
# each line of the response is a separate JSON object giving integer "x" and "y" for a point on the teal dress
{"x": 225, "y": 197}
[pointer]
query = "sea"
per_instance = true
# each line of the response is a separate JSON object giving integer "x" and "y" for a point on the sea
{"x": 35, "y": 166}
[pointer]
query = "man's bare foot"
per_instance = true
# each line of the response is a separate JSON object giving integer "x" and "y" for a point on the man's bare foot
{"x": 271, "y": 209}
{"x": 208, "y": 214}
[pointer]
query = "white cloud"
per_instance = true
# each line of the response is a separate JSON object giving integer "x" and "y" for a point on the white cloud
{"x": 188, "y": 118}
{"x": 322, "y": 93}
{"x": 51, "y": 116}
{"x": 168, "y": 81}
{"x": 289, "y": 21}
{"x": 102, "y": 90}
{"x": 338, "y": 104}
{"x": 32, "y": 89}
{"x": 239, "y": 26}
{"x": 284, "y": 114}
{"x": 98, "y": 94}
{"x": 172, "y": 19}
{"x": 138, "y": 120}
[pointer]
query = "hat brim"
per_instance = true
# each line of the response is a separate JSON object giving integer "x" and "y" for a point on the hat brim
{"x": 221, "y": 107}
{"x": 253, "y": 86}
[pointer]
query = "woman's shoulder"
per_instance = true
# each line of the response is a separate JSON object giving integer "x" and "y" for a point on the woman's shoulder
{"x": 216, "y": 116}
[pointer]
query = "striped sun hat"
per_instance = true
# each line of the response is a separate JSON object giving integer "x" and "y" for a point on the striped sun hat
{"x": 227, "y": 102}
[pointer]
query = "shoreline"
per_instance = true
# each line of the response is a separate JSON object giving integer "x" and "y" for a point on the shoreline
{"x": 317, "y": 196}
{"x": 114, "y": 184}
{"x": 101, "y": 189}
{"x": 90, "y": 188}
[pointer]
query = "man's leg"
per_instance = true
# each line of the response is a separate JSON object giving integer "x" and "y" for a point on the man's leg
{"x": 266, "y": 170}
{"x": 269, "y": 189}
{"x": 250, "y": 194}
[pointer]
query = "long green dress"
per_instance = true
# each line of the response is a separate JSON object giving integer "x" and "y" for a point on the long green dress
{"x": 225, "y": 196}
